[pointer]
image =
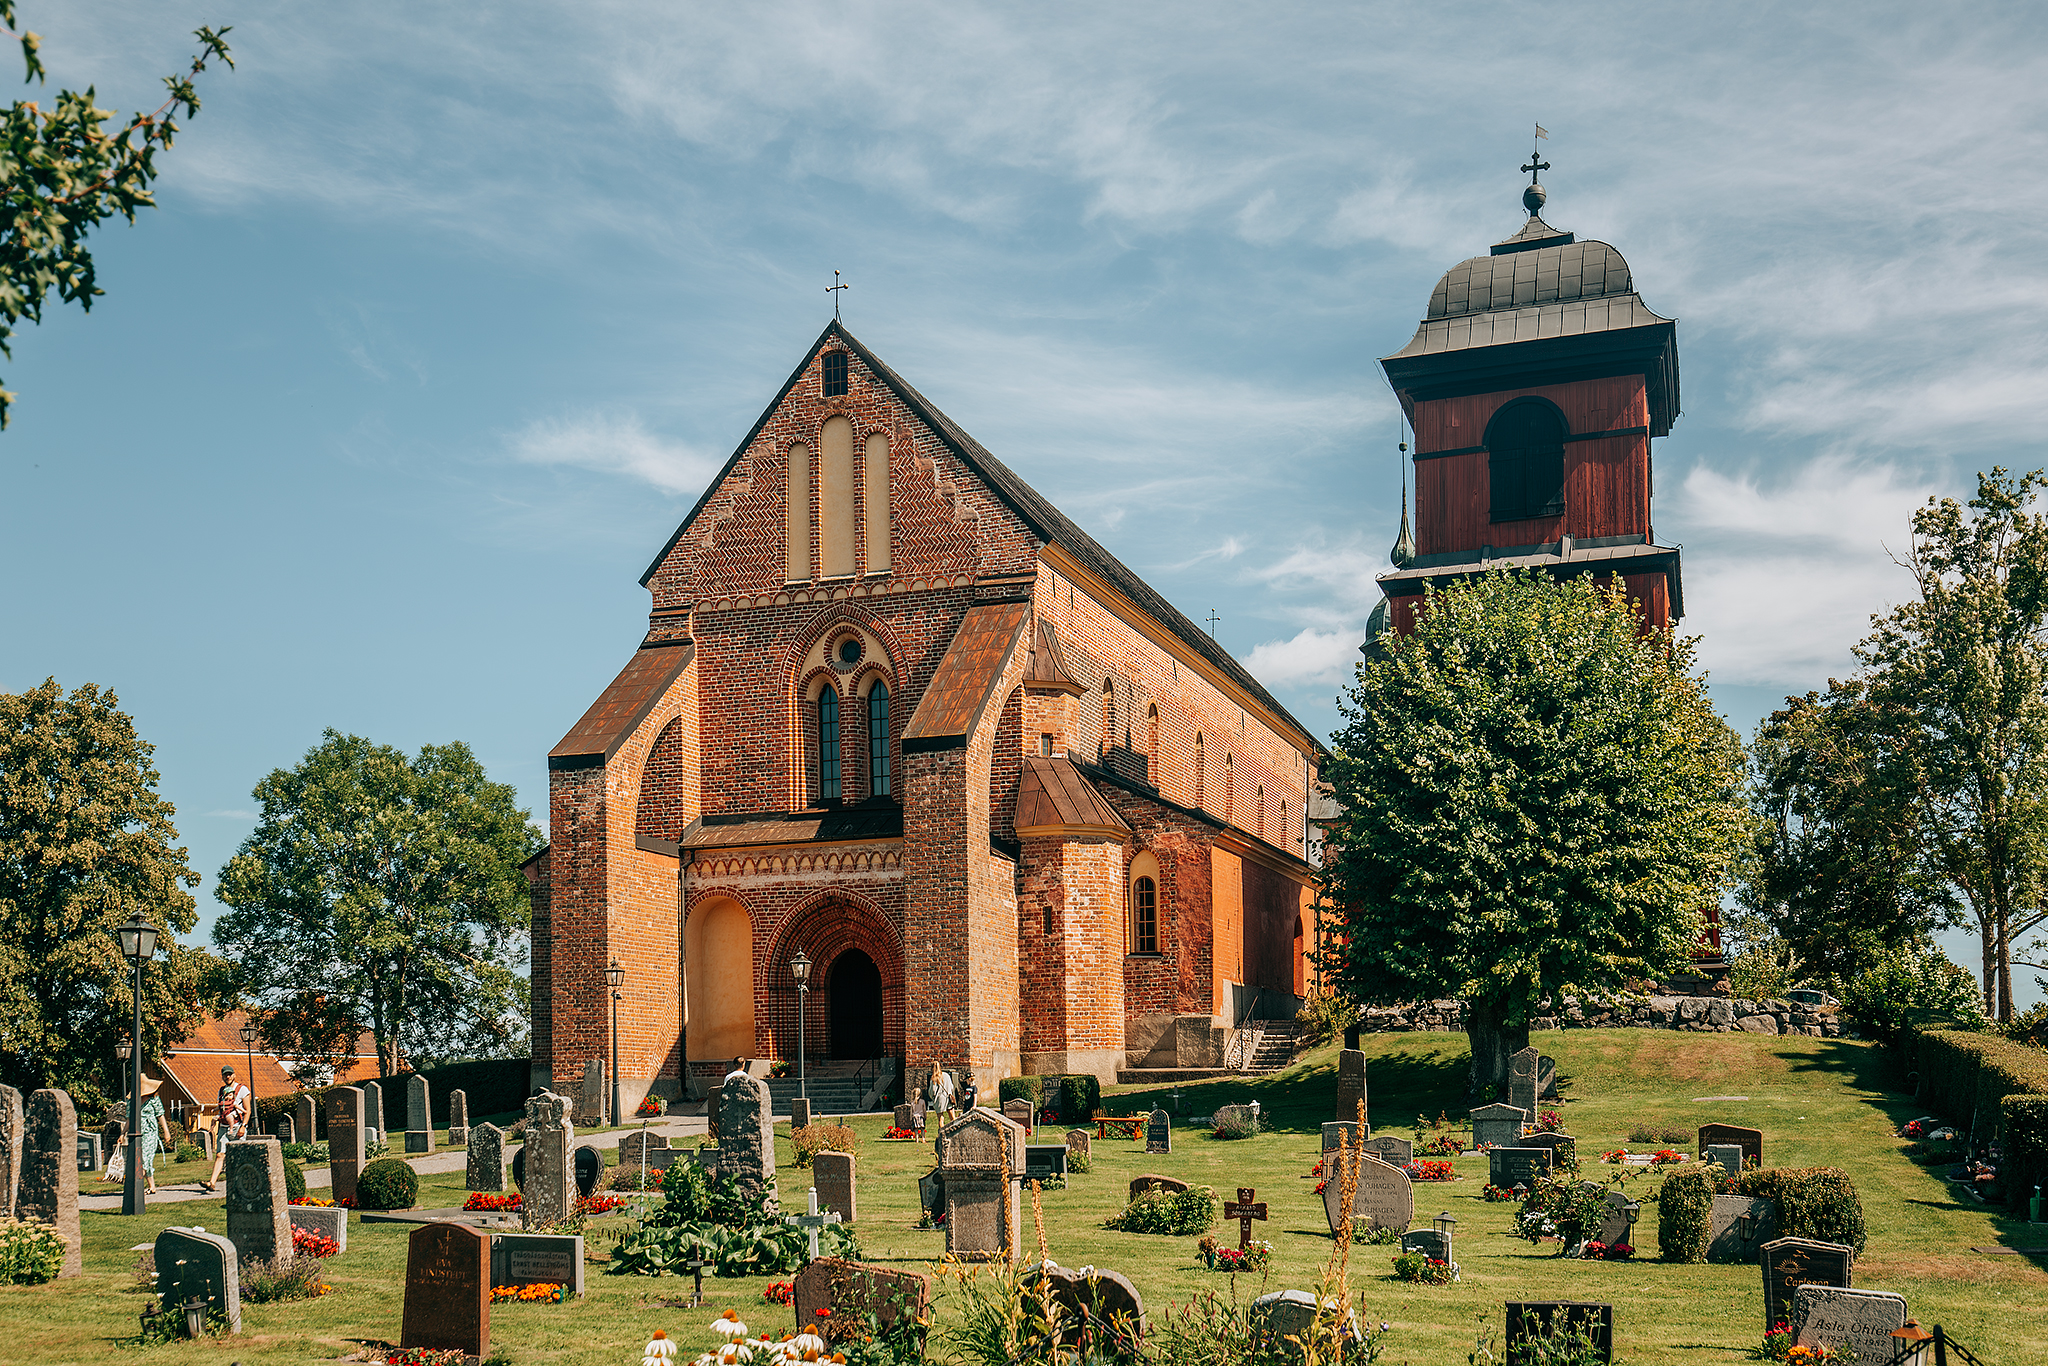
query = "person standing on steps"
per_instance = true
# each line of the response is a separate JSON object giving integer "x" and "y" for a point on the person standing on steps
{"x": 235, "y": 1105}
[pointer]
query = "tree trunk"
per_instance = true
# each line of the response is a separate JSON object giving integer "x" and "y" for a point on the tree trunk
{"x": 1990, "y": 968}
{"x": 1494, "y": 1042}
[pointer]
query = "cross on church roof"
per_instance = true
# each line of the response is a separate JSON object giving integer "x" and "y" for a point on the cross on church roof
{"x": 834, "y": 288}
{"x": 1213, "y": 619}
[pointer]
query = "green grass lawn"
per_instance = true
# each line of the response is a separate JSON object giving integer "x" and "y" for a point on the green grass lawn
{"x": 1819, "y": 1102}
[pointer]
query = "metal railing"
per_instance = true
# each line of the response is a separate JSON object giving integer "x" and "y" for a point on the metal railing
{"x": 1245, "y": 1032}
{"x": 1939, "y": 1350}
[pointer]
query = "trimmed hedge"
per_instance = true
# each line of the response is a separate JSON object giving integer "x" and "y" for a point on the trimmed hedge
{"x": 1027, "y": 1088}
{"x": 1813, "y": 1202}
{"x": 387, "y": 1183}
{"x": 1076, "y": 1097}
{"x": 1964, "y": 1075}
{"x": 2025, "y": 1124}
{"x": 294, "y": 1180}
{"x": 1685, "y": 1208}
{"x": 494, "y": 1086}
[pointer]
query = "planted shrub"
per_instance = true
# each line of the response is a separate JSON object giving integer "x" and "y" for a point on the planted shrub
{"x": 387, "y": 1184}
{"x": 630, "y": 1176}
{"x": 1684, "y": 1217}
{"x": 295, "y": 1180}
{"x": 1813, "y": 1202}
{"x": 1080, "y": 1097}
{"x": 1025, "y": 1088}
{"x": 30, "y": 1252}
{"x": 287, "y": 1276}
{"x": 2026, "y": 1146}
{"x": 1077, "y": 1162}
{"x": 1179, "y": 1213}
{"x": 1237, "y": 1123}
{"x": 813, "y": 1139}
{"x": 715, "y": 1219}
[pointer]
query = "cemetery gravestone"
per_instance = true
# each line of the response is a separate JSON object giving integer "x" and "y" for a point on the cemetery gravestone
{"x": 746, "y": 1136}
{"x": 851, "y": 1291}
{"x": 591, "y": 1112}
{"x": 1044, "y": 1161}
{"x": 1737, "y": 1226}
{"x": 1789, "y": 1263}
{"x": 329, "y": 1221}
{"x": 448, "y": 1289}
{"x": 308, "y": 1118}
{"x": 87, "y": 1157}
{"x": 904, "y": 1119}
{"x": 1384, "y": 1197}
{"x": 638, "y": 1150}
{"x": 1159, "y": 1133}
{"x": 458, "y": 1119}
{"x": 537, "y": 1259}
{"x": 194, "y": 1265}
{"x": 931, "y": 1193}
{"x": 1564, "y": 1149}
{"x": 1149, "y": 1182}
{"x": 1522, "y": 1080}
{"x": 1080, "y": 1141}
{"x": 589, "y": 1169}
{"x": 1283, "y": 1314}
{"x": 833, "y": 1174}
{"x": 1093, "y": 1295}
{"x": 981, "y": 1158}
{"x": 258, "y": 1224}
{"x": 12, "y": 1126}
{"x": 419, "y": 1116}
{"x": 345, "y": 1138}
{"x": 1018, "y": 1111}
{"x": 800, "y": 1112}
{"x": 1511, "y": 1167}
{"x": 287, "y": 1130}
{"x": 1341, "y": 1133}
{"x": 1546, "y": 1077}
{"x": 373, "y": 1111}
{"x": 1728, "y": 1156}
{"x": 1751, "y": 1141}
{"x": 1390, "y": 1148}
{"x": 1431, "y": 1243}
{"x": 1621, "y": 1215}
{"x": 545, "y": 1180}
{"x": 1861, "y": 1320}
{"x": 1351, "y": 1093}
{"x": 49, "y": 1171}
{"x": 1527, "y": 1319}
{"x": 1244, "y": 1209}
{"x": 1499, "y": 1125}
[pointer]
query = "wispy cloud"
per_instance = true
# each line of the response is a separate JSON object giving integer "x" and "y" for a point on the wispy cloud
{"x": 1309, "y": 657}
{"x": 234, "y": 815}
{"x": 614, "y": 443}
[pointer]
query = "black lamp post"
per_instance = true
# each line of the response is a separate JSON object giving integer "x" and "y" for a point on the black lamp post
{"x": 138, "y": 946}
{"x": 800, "y": 969}
{"x": 249, "y": 1046}
{"x": 616, "y": 975}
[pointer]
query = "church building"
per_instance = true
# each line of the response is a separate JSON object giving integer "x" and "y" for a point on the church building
{"x": 897, "y": 721}
{"x": 1534, "y": 384}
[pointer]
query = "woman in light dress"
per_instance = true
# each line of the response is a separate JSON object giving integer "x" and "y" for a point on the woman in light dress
{"x": 155, "y": 1131}
{"x": 939, "y": 1093}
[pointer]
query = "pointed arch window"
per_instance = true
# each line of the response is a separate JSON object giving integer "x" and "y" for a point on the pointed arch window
{"x": 878, "y": 738}
{"x": 1525, "y": 461}
{"x": 1144, "y": 915}
{"x": 828, "y": 744}
{"x": 1200, "y": 795}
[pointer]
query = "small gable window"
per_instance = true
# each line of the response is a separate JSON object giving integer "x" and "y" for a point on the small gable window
{"x": 1525, "y": 461}
{"x": 828, "y": 744}
{"x": 878, "y": 738}
{"x": 1144, "y": 916}
{"x": 835, "y": 373}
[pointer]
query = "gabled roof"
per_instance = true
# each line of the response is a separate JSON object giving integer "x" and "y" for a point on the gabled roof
{"x": 1052, "y": 796}
{"x": 966, "y": 678}
{"x": 1047, "y": 667}
{"x": 622, "y": 706}
{"x": 1047, "y": 522}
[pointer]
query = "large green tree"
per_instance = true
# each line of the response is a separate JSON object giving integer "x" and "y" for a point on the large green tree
{"x": 1841, "y": 871}
{"x": 1961, "y": 673}
{"x": 382, "y": 893}
{"x": 86, "y": 841}
{"x": 62, "y": 174}
{"x": 1537, "y": 799}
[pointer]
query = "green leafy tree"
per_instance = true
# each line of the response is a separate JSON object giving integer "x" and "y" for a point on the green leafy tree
{"x": 1537, "y": 799}
{"x": 1960, "y": 675}
{"x": 382, "y": 893}
{"x": 86, "y": 841}
{"x": 1841, "y": 871}
{"x": 62, "y": 175}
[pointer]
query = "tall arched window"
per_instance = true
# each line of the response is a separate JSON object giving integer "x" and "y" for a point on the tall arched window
{"x": 1261, "y": 809}
{"x": 878, "y": 738}
{"x": 828, "y": 744}
{"x": 1200, "y": 795}
{"x": 1144, "y": 915}
{"x": 1108, "y": 716}
{"x": 1152, "y": 741}
{"x": 1525, "y": 461}
{"x": 1230, "y": 787}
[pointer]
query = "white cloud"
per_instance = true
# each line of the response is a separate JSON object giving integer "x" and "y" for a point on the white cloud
{"x": 615, "y": 443}
{"x": 1309, "y": 657}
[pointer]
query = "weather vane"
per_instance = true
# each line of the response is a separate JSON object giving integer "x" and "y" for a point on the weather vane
{"x": 1535, "y": 163}
{"x": 834, "y": 288}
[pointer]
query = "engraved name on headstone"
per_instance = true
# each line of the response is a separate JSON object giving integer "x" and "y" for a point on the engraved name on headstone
{"x": 448, "y": 1290}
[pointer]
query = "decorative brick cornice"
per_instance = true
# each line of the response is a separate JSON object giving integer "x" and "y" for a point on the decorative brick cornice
{"x": 843, "y": 861}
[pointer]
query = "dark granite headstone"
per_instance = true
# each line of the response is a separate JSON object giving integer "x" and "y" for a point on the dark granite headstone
{"x": 852, "y": 1291}
{"x": 1564, "y": 1149}
{"x": 904, "y": 1119}
{"x": 1092, "y": 1295}
{"x": 1751, "y": 1141}
{"x": 931, "y": 1193}
{"x": 1546, "y": 1077}
{"x": 799, "y": 1112}
{"x": 1527, "y": 1319}
{"x": 448, "y": 1290}
{"x": 1351, "y": 1086}
{"x": 589, "y": 1170}
{"x": 1499, "y": 1125}
{"x": 1159, "y": 1133}
{"x": 537, "y": 1259}
{"x": 1430, "y": 1242}
{"x": 1390, "y": 1148}
{"x": 308, "y": 1123}
{"x": 1522, "y": 1080}
{"x": 1044, "y": 1161}
{"x": 1511, "y": 1167}
{"x": 345, "y": 1138}
{"x": 1789, "y": 1263}
{"x": 191, "y": 1264}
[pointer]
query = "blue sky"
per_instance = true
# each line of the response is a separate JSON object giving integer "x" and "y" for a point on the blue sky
{"x": 449, "y": 312}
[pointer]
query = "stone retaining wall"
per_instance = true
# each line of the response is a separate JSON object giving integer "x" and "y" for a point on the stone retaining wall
{"x": 1702, "y": 1014}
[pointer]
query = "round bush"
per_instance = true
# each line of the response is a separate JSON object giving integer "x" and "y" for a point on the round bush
{"x": 387, "y": 1184}
{"x": 294, "y": 1180}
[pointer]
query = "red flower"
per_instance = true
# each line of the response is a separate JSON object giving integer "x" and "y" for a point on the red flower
{"x": 824, "y": 1313}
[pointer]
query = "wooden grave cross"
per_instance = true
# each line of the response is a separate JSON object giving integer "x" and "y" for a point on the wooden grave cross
{"x": 814, "y": 1221}
{"x": 1244, "y": 1210}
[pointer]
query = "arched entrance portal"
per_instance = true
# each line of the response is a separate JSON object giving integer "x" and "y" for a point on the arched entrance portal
{"x": 856, "y": 989}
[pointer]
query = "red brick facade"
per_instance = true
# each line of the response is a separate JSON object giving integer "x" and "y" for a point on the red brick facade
{"x": 698, "y": 784}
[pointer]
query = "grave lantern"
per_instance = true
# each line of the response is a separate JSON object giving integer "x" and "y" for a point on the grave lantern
{"x": 1444, "y": 1224}
{"x": 138, "y": 946}
{"x": 1918, "y": 1337}
{"x": 615, "y": 976}
{"x": 195, "y": 1317}
{"x": 800, "y": 970}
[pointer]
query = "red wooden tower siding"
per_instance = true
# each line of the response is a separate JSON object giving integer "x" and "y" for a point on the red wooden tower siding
{"x": 896, "y": 711}
{"x": 1534, "y": 385}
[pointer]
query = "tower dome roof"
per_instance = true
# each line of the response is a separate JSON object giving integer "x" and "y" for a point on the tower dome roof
{"x": 1551, "y": 269}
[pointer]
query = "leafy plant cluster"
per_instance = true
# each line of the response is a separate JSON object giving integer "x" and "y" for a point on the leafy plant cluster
{"x": 726, "y": 1225}
{"x": 387, "y": 1183}
{"x": 1071, "y": 1097}
{"x": 290, "y": 1275}
{"x": 1915, "y": 985}
{"x": 1323, "y": 1016}
{"x": 1180, "y": 1213}
{"x": 1561, "y": 1208}
{"x": 812, "y": 1139}
{"x": 31, "y": 1252}
{"x": 313, "y": 1154}
{"x": 1235, "y": 1122}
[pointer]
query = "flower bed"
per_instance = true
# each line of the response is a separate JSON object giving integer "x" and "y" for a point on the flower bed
{"x": 895, "y": 1134}
{"x": 307, "y": 1243}
{"x": 540, "y": 1292}
{"x": 1548, "y": 1122}
{"x": 1606, "y": 1252}
{"x": 1253, "y": 1256}
{"x": 313, "y": 1200}
{"x": 484, "y": 1200}
{"x": 1780, "y": 1345}
{"x": 1423, "y": 1269}
{"x": 781, "y": 1292}
{"x": 1423, "y": 1170}
{"x": 1497, "y": 1194}
{"x": 598, "y": 1204}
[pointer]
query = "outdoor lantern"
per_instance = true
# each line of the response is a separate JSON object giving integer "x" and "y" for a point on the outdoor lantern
{"x": 800, "y": 968}
{"x": 138, "y": 940}
{"x": 249, "y": 1032}
{"x": 195, "y": 1317}
{"x": 1919, "y": 1338}
{"x": 124, "y": 1050}
{"x": 1444, "y": 1224}
{"x": 615, "y": 975}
